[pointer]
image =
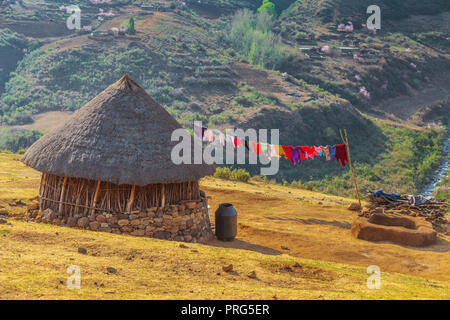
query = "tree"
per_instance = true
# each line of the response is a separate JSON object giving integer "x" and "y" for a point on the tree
{"x": 130, "y": 26}
{"x": 268, "y": 7}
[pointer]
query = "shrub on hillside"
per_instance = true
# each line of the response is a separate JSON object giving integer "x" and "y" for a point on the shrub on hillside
{"x": 223, "y": 173}
{"x": 240, "y": 175}
{"x": 236, "y": 174}
{"x": 251, "y": 35}
{"x": 17, "y": 139}
{"x": 268, "y": 7}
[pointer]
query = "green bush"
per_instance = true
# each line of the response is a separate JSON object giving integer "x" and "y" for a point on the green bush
{"x": 240, "y": 175}
{"x": 18, "y": 139}
{"x": 443, "y": 190}
{"x": 236, "y": 174}
{"x": 130, "y": 27}
{"x": 223, "y": 173}
{"x": 268, "y": 7}
{"x": 251, "y": 35}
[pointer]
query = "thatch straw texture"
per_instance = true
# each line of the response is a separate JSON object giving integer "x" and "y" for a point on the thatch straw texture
{"x": 122, "y": 136}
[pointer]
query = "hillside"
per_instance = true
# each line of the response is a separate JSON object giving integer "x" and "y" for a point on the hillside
{"x": 192, "y": 60}
{"x": 297, "y": 242}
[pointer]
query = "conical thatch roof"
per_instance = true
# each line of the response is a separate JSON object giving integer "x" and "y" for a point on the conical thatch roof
{"x": 122, "y": 136}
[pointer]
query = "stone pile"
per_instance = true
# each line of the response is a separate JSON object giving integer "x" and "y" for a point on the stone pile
{"x": 187, "y": 221}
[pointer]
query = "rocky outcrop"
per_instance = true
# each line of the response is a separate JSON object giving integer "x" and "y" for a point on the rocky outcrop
{"x": 394, "y": 228}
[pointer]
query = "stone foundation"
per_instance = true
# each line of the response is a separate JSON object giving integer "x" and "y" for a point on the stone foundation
{"x": 187, "y": 221}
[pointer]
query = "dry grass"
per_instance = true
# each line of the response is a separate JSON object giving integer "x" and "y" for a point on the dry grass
{"x": 34, "y": 257}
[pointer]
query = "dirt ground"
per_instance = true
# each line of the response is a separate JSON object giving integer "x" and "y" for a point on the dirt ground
{"x": 315, "y": 226}
{"x": 298, "y": 242}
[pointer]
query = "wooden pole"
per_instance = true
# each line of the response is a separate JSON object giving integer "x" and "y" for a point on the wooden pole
{"x": 94, "y": 201}
{"x": 42, "y": 189}
{"x": 131, "y": 200}
{"x": 61, "y": 198}
{"x": 350, "y": 164}
{"x": 163, "y": 195}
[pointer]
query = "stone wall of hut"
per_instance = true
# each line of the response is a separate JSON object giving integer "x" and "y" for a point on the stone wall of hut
{"x": 177, "y": 211}
{"x": 187, "y": 221}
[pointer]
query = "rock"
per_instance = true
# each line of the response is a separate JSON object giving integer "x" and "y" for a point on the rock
{"x": 123, "y": 222}
{"x": 421, "y": 235}
{"x": 94, "y": 225}
{"x": 72, "y": 222}
{"x": 190, "y": 205}
{"x": 161, "y": 235}
{"x": 135, "y": 222}
{"x": 111, "y": 270}
{"x": 48, "y": 214}
{"x": 126, "y": 229}
{"x": 20, "y": 203}
{"x": 134, "y": 216}
{"x": 159, "y": 213}
{"x": 252, "y": 275}
{"x": 83, "y": 222}
{"x": 3, "y": 221}
{"x": 111, "y": 220}
{"x": 82, "y": 250}
{"x": 4, "y": 211}
{"x": 228, "y": 268}
{"x": 33, "y": 206}
{"x": 354, "y": 206}
{"x": 139, "y": 232}
{"x": 104, "y": 225}
{"x": 100, "y": 218}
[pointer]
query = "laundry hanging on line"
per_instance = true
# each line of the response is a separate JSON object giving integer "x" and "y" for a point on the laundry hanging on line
{"x": 296, "y": 154}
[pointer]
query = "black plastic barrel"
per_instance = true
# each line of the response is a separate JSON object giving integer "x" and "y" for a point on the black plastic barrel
{"x": 226, "y": 222}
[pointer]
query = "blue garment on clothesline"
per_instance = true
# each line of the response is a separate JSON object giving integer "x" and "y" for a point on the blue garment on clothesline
{"x": 389, "y": 196}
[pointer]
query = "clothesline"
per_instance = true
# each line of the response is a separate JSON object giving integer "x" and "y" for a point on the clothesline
{"x": 296, "y": 154}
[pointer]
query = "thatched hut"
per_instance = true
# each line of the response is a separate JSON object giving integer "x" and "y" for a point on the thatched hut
{"x": 109, "y": 168}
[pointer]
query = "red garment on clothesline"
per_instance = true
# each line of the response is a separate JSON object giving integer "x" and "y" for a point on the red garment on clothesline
{"x": 341, "y": 154}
